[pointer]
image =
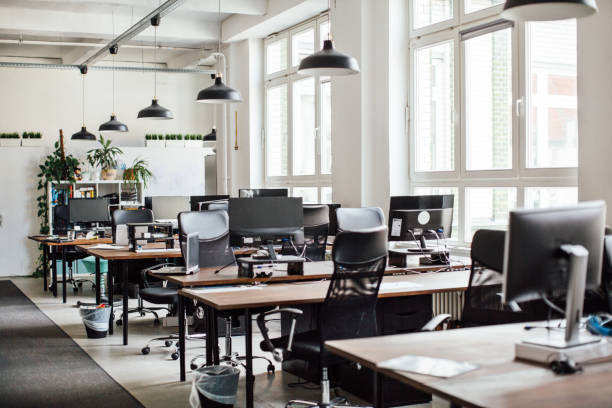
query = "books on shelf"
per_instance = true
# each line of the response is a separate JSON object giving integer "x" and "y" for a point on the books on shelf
{"x": 84, "y": 192}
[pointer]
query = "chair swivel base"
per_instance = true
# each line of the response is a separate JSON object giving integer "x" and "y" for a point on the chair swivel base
{"x": 169, "y": 341}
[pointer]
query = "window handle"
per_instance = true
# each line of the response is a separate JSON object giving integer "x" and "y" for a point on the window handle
{"x": 519, "y": 107}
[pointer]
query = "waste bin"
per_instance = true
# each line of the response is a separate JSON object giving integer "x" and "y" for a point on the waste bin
{"x": 214, "y": 387}
{"x": 95, "y": 320}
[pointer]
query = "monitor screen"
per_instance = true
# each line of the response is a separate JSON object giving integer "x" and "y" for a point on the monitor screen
{"x": 411, "y": 225}
{"x": 421, "y": 202}
{"x": 83, "y": 210}
{"x": 168, "y": 207}
{"x": 266, "y": 218}
{"x": 195, "y": 201}
{"x": 263, "y": 192}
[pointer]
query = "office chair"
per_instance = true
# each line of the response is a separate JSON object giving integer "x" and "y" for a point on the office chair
{"x": 121, "y": 217}
{"x": 222, "y": 205}
{"x": 213, "y": 228}
{"x": 355, "y": 219}
{"x": 60, "y": 227}
{"x": 349, "y": 309}
{"x": 316, "y": 228}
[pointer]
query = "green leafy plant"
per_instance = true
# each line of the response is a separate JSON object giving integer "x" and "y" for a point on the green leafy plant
{"x": 105, "y": 156}
{"x": 148, "y": 137}
{"x": 9, "y": 135}
{"x": 138, "y": 172}
{"x": 179, "y": 137}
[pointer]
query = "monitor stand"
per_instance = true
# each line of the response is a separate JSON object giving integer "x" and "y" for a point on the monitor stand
{"x": 576, "y": 344}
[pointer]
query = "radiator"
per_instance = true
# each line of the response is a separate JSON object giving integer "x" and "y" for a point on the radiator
{"x": 448, "y": 302}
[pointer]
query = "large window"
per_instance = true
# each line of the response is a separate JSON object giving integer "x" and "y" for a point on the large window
{"x": 298, "y": 115}
{"x": 493, "y": 115}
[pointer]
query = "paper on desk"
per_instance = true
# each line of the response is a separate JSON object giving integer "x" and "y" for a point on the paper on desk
{"x": 227, "y": 288}
{"x": 436, "y": 367}
{"x": 397, "y": 286}
{"x": 108, "y": 246}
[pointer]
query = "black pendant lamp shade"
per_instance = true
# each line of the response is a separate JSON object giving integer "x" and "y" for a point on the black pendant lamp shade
{"x": 219, "y": 93}
{"x": 329, "y": 61}
{"x": 83, "y": 134}
{"x": 113, "y": 125}
{"x": 546, "y": 10}
{"x": 155, "y": 111}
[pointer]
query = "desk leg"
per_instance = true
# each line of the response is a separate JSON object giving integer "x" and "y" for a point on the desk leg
{"x": 45, "y": 265}
{"x": 379, "y": 399}
{"x": 124, "y": 319}
{"x": 209, "y": 353}
{"x": 181, "y": 323}
{"x": 63, "y": 275}
{"x": 249, "y": 358}
{"x": 98, "y": 279}
{"x": 111, "y": 290}
{"x": 54, "y": 270}
{"x": 214, "y": 336}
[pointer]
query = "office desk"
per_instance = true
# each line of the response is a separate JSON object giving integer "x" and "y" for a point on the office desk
{"x": 292, "y": 294}
{"x": 50, "y": 248}
{"x": 122, "y": 257}
{"x": 498, "y": 382}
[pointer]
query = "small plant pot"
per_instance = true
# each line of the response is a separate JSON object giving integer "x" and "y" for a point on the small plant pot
{"x": 155, "y": 143}
{"x": 10, "y": 142}
{"x": 108, "y": 174}
{"x": 31, "y": 142}
{"x": 193, "y": 143}
{"x": 175, "y": 143}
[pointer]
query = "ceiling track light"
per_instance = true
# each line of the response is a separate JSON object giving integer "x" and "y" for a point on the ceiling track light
{"x": 155, "y": 110}
{"x": 219, "y": 92}
{"x": 83, "y": 134}
{"x": 547, "y": 10}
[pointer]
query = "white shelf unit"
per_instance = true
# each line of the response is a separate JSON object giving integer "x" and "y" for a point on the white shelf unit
{"x": 101, "y": 188}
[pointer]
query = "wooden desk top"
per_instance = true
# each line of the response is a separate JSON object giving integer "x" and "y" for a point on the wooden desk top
{"x": 315, "y": 292}
{"x": 125, "y": 254}
{"x": 312, "y": 271}
{"x": 43, "y": 240}
{"x": 500, "y": 381}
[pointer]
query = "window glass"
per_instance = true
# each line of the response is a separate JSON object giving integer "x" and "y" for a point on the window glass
{"x": 433, "y": 106}
{"x": 444, "y": 190}
{"x": 325, "y": 131}
{"x": 276, "y": 56}
{"x": 276, "y": 130}
{"x": 323, "y": 33}
{"x": 304, "y": 127}
{"x": 475, "y": 5}
{"x": 308, "y": 194}
{"x": 427, "y": 12}
{"x": 487, "y": 208}
{"x": 488, "y": 101}
{"x": 552, "y": 114}
{"x": 326, "y": 195}
{"x": 544, "y": 197}
{"x": 302, "y": 45}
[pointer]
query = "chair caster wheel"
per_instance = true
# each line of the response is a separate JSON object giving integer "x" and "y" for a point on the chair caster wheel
{"x": 168, "y": 343}
{"x": 145, "y": 350}
{"x": 93, "y": 285}
{"x": 156, "y": 322}
{"x": 80, "y": 284}
{"x": 194, "y": 366}
{"x": 119, "y": 322}
{"x": 175, "y": 355}
{"x": 271, "y": 369}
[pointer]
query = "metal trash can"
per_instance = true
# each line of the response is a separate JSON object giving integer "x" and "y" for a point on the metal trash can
{"x": 214, "y": 387}
{"x": 95, "y": 320}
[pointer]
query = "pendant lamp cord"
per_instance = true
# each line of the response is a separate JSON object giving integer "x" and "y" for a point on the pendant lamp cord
{"x": 83, "y": 104}
{"x": 113, "y": 17}
{"x": 329, "y": 36}
{"x": 219, "y": 37}
{"x": 155, "y": 62}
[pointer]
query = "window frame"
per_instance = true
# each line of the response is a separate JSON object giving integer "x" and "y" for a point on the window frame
{"x": 520, "y": 176}
{"x": 289, "y": 76}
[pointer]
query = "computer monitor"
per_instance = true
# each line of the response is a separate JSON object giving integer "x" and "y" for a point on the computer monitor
{"x": 168, "y": 207}
{"x": 195, "y": 201}
{"x": 263, "y": 192}
{"x": 421, "y": 202}
{"x": 88, "y": 210}
{"x": 420, "y": 225}
{"x": 554, "y": 251}
{"x": 266, "y": 219}
{"x": 191, "y": 253}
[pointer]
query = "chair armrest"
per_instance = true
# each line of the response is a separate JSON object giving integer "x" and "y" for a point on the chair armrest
{"x": 436, "y": 321}
{"x": 278, "y": 354}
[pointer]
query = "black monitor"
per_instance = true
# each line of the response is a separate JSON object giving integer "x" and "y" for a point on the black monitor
{"x": 265, "y": 219}
{"x": 262, "y": 192}
{"x": 88, "y": 210}
{"x": 194, "y": 201}
{"x": 333, "y": 219}
{"x": 411, "y": 217}
{"x": 421, "y": 202}
{"x": 554, "y": 251}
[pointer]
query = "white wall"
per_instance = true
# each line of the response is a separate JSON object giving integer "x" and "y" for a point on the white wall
{"x": 595, "y": 106}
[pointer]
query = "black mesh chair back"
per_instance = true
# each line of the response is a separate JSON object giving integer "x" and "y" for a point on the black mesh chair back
{"x": 222, "y": 205}
{"x": 121, "y": 217}
{"x": 483, "y": 302}
{"x": 60, "y": 219}
{"x": 213, "y": 229}
{"x": 316, "y": 226}
{"x": 349, "y": 309}
{"x": 356, "y": 219}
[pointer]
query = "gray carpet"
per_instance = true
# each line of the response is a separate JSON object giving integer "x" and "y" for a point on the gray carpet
{"x": 41, "y": 366}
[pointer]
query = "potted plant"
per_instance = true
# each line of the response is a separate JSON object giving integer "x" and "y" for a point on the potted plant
{"x": 138, "y": 172}
{"x": 105, "y": 157}
{"x": 172, "y": 141}
{"x": 192, "y": 141}
{"x": 31, "y": 139}
{"x": 10, "y": 140}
